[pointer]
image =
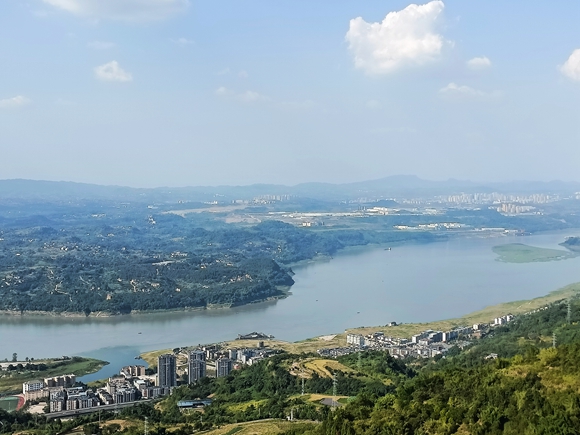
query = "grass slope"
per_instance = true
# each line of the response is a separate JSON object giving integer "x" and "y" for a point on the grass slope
{"x": 259, "y": 427}
{"x": 11, "y": 381}
{"x": 481, "y": 316}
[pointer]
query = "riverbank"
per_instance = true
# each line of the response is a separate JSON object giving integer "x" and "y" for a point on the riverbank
{"x": 402, "y": 330}
{"x": 284, "y": 293}
{"x": 520, "y": 253}
{"x": 11, "y": 380}
{"x": 285, "y": 290}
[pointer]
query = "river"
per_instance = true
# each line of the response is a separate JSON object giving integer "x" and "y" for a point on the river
{"x": 373, "y": 286}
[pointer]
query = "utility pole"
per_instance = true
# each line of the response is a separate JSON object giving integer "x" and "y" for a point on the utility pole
{"x": 334, "y": 384}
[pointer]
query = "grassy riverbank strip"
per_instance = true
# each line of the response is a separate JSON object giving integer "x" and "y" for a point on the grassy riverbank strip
{"x": 11, "y": 380}
{"x": 520, "y": 253}
{"x": 405, "y": 330}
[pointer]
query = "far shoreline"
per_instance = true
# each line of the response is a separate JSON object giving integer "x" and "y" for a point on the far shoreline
{"x": 286, "y": 290}
{"x": 104, "y": 315}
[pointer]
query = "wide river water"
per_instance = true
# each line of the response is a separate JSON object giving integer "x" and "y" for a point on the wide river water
{"x": 372, "y": 286}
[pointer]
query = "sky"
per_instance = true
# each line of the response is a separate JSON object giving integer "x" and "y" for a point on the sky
{"x": 152, "y": 93}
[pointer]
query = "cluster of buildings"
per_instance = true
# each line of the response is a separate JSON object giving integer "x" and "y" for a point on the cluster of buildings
{"x": 41, "y": 388}
{"x": 133, "y": 383}
{"x": 436, "y": 226}
{"x": 426, "y": 344}
{"x": 130, "y": 385}
{"x": 261, "y": 199}
{"x": 512, "y": 209}
{"x": 497, "y": 198}
{"x": 208, "y": 361}
{"x": 68, "y": 399}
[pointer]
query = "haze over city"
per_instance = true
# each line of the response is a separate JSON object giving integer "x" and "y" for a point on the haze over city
{"x": 179, "y": 92}
{"x": 289, "y": 217}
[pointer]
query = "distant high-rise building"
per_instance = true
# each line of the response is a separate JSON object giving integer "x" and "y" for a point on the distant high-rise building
{"x": 166, "y": 370}
{"x": 223, "y": 367}
{"x": 196, "y": 366}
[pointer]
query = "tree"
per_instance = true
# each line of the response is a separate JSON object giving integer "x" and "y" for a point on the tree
{"x": 14, "y": 357}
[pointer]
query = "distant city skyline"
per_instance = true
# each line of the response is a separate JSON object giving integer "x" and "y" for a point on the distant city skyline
{"x": 148, "y": 93}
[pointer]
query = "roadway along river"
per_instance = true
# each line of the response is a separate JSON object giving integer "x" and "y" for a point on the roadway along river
{"x": 374, "y": 286}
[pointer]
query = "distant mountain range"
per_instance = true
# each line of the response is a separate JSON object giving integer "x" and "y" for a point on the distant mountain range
{"x": 383, "y": 188}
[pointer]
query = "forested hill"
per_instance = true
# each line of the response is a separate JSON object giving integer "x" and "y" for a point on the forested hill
{"x": 572, "y": 243}
{"x": 124, "y": 260}
{"x": 73, "y": 251}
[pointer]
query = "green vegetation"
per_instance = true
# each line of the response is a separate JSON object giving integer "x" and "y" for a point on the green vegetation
{"x": 92, "y": 250}
{"x": 130, "y": 262}
{"x": 520, "y": 253}
{"x": 270, "y": 427}
{"x": 14, "y": 375}
{"x": 530, "y": 388}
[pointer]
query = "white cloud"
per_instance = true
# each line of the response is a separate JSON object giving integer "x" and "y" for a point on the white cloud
{"x": 222, "y": 91}
{"x": 126, "y": 10}
{"x": 112, "y": 72}
{"x": 453, "y": 89}
{"x": 247, "y": 96}
{"x": 243, "y": 74}
{"x": 373, "y": 104}
{"x": 478, "y": 63}
{"x": 406, "y": 37}
{"x": 571, "y": 67}
{"x": 224, "y": 72}
{"x": 101, "y": 45}
{"x": 18, "y": 101}
{"x": 183, "y": 41}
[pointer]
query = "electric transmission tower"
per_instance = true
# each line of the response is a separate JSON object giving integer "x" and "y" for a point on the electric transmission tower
{"x": 146, "y": 427}
{"x": 569, "y": 313}
{"x": 302, "y": 386}
{"x": 359, "y": 362}
{"x": 554, "y": 340}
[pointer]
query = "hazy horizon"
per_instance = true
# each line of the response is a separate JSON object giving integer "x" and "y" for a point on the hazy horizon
{"x": 148, "y": 93}
{"x": 392, "y": 177}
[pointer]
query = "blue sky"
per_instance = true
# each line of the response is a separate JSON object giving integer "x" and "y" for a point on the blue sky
{"x": 182, "y": 92}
